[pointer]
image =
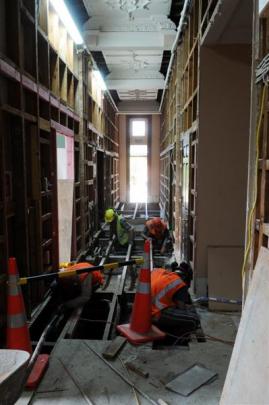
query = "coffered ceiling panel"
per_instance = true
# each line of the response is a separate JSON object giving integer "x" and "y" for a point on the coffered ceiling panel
{"x": 133, "y": 36}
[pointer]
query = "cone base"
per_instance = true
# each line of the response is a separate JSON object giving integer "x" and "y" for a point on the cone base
{"x": 138, "y": 338}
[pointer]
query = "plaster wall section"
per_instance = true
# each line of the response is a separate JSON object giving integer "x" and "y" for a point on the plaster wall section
{"x": 224, "y": 105}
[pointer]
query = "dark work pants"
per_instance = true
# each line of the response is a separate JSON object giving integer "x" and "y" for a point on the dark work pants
{"x": 178, "y": 321}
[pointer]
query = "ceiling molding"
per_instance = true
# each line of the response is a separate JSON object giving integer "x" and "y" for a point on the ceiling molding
{"x": 106, "y": 41}
{"x": 153, "y": 23}
{"x": 140, "y": 84}
{"x": 129, "y": 6}
{"x": 130, "y": 41}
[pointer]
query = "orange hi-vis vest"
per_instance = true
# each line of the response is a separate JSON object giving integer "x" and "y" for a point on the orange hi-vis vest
{"x": 164, "y": 284}
{"x": 97, "y": 277}
{"x": 156, "y": 227}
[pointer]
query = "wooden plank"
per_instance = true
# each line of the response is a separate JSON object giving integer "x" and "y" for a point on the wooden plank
{"x": 114, "y": 347}
{"x": 44, "y": 124}
{"x": 9, "y": 70}
{"x": 248, "y": 373}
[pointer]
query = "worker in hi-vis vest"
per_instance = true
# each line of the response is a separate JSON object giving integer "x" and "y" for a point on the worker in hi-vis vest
{"x": 171, "y": 302}
{"x": 156, "y": 230}
{"x": 120, "y": 227}
{"x": 75, "y": 290}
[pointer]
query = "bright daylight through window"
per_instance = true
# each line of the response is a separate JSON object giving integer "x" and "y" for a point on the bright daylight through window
{"x": 138, "y": 128}
{"x": 138, "y": 162}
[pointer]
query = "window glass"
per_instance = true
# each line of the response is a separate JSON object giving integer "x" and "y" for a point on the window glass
{"x": 138, "y": 128}
{"x": 138, "y": 179}
{"x": 138, "y": 150}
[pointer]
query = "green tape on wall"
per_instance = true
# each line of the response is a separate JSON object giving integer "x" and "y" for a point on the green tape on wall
{"x": 60, "y": 141}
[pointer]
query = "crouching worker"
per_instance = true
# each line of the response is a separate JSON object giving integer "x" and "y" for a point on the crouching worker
{"x": 171, "y": 309}
{"x": 120, "y": 227}
{"x": 156, "y": 230}
{"x": 76, "y": 290}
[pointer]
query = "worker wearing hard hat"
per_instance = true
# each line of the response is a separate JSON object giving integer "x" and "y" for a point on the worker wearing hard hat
{"x": 170, "y": 298}
{"x": 120, "y": 227}
{"x": 156, "y": 229}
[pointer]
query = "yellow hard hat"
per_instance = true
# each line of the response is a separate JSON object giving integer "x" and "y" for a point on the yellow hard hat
{"x": 109, "y": 215}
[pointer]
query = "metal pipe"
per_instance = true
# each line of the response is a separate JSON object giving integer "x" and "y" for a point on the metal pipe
{"x": 41, "y": 342}
{"x": 135, "y": 211}
{"x": 146, "y": 210}
{"x": 122, "y": 376}
{"x": 108, "y": 250}
{"x": 97, "y": 234}
{"x": 173, "y": 50}
{"x": 118, "y": 291}
{"x": 68, "y": 273}
{"x": 37, "y": 350}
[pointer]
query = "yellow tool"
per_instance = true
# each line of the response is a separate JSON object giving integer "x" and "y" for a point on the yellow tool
{"x": 67, "y": 273}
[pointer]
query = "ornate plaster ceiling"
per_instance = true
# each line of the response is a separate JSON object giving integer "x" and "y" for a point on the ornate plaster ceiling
{"x": 132, "y": 36}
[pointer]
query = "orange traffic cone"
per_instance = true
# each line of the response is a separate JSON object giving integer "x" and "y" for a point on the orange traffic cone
{"x": 140, "y": 330}
{"x": 17, "y": 330}
{"x": 18, "y": 336}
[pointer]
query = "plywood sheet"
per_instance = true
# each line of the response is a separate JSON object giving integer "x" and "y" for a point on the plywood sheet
{"x": 65, "y": 217}
{"x": 248, "y": 374}
{"x": 224, "y": 275}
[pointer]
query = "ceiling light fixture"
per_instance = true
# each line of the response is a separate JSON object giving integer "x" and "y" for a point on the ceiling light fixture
{"x": 129, "y": 6}
{"x": 67, "y": 20}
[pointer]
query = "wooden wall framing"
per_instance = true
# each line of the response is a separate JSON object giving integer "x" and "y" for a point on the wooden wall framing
{"x": 179, "y": 120}
{"x": 188, "y": 199}
{"x": 46, "y": 88}
{"x": 258, "y": 225}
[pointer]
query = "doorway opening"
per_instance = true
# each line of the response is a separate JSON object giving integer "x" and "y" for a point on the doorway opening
{"x": 138, "y": 160}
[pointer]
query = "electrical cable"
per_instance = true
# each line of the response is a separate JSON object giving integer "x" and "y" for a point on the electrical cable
{"x": 214, "y": 338}
{"x": 251, "y": 212}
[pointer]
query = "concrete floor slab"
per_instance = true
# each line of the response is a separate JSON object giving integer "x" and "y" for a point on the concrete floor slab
{"x": 75, "y": 373}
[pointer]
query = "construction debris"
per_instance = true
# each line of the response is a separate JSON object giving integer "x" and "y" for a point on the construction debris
{"x": 114, "y": 347}
{"x": 191, "y": 379}
{"x": 121, "y": 375}
{"x": 162, "y": 402}
{"x": 136, "y": 368}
